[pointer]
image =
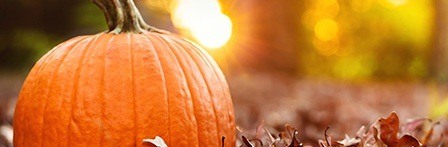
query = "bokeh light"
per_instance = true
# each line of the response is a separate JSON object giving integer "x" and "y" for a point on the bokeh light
{"x": 326, "y": 29}
{"x": 319, "y": 10}
{"x": 361, "y": 5}
{"x": 326, "y": 48}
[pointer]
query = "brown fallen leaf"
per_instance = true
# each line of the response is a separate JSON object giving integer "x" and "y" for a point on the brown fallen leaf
{"x": 246, "y": 142}
{"x": 378, "y": 141}
{"x": 428, "y": 135}
{"x": 264, "y": 135}
{"x": 383, "y": 133}
{"x": 414, "y": 126}
{"x": 263, "y": 138}
{"x": 389, "y": 128}
{"x": 407, "y": 141}
{"x": 295, "y": 142}
{"x": 347, "y": 141}
{"x": 329, "y": 142}
{"x": 282, "y": 139}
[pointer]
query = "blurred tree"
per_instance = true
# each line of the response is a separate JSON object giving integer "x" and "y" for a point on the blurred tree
{"x": 267, "y": 35}
{"x": 367, "y": 39}
{"x": 32, "y": 27}
{"x": 355, "y": 39}
{"x": 439, "y": 56}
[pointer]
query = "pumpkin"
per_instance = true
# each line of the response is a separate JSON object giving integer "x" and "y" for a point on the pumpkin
{"x": 119, "y": 87}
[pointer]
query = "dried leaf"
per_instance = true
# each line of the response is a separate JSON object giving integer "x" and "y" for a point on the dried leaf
{"x": 283, "y": 139}
{"x": 158, "y": 142}
{"x": 246, "y": 142}
{"x": 323, "y": 143}
{"x": 264, "y": 135}
{"x": 326, "y": 136}
{"x": 413, "y": 125}
{"x": 6, "y": 135}
{"x": 378, "y": 141}
{"x": 361, "y": 132}
{"x": 427, "y": 137}
{"x": 290, "y": 136}
{"x": 256, "y": 142}
{"x": 295, "y": 142}
{"x": 389, "y": 128}
{"x": 269, "y": 135}
{"x": 289, "y": 130}
{"x": 384, "y": 133}
{"x": 280, "y": 143}
{"x": 328, "y": 140}
{"x": 347, "y": 141}
{"x": 407, "y": 141}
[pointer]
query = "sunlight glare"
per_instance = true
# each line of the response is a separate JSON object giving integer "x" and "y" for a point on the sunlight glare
{"x": 392, "y": 3}
{"x": 204, "y": 20}
{"x": 213, "y": 33}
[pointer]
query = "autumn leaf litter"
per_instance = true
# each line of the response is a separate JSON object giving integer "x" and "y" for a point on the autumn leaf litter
{"x": 385, "y": 132}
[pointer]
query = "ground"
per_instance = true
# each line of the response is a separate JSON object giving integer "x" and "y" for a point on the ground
{"x": 309, "y": 104}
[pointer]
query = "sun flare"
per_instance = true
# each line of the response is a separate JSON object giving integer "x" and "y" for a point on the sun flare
{"x": 204, "y": 20}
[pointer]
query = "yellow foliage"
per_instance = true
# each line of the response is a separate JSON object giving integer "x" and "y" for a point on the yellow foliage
{"x": 438, "y": 105}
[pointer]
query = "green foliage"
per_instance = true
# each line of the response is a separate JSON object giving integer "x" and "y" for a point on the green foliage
{"x": 34, "y": 40}
{"x": 24, "y": 47}
{"x": 89, "y": 17}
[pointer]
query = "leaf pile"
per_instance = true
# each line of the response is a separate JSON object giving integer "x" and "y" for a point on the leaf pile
{"x": 384, "y": 132}
{"x": 313, "y": 104}
{"x": 262, "y": 137}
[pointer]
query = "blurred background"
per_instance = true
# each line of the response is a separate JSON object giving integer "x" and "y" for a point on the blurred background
{"x": 309, "y": 63}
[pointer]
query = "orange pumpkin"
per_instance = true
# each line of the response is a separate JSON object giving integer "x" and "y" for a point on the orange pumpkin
{"x": 120, "y": 87}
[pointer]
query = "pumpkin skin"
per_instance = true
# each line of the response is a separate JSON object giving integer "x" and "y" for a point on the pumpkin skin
{"x": 118, "y": 89}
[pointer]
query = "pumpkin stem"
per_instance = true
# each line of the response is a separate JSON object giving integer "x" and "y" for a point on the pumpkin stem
{"x": 123, "y": 16}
